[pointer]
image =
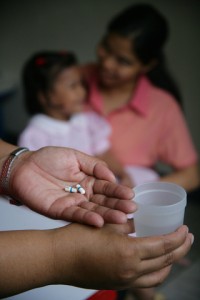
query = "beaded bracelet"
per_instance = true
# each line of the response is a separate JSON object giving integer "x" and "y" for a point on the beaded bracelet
{"x": 6, "y": 170}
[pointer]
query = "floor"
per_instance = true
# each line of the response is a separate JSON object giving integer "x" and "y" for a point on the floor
{"x": 183, "y": 282}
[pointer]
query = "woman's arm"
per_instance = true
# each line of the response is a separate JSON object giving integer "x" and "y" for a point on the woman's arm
{"x": 87, "y": 257}
{"x": 188, "y": 178}
{"x": 26, "y": 260}
{"x": 116, "y": 167}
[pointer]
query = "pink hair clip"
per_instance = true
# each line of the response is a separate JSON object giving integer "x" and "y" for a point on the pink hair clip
{"x": 40, "y": 61}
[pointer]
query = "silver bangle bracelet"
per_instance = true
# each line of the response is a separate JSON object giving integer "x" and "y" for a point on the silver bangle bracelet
{"x": 6, "y": 169}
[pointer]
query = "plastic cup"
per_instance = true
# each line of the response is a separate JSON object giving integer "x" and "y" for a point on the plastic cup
{"x": 161, "y": 208}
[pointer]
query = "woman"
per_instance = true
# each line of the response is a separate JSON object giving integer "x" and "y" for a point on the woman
{"x": 131, "y": 88}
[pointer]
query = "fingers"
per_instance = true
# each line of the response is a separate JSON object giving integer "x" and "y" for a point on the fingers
{"x": 69, "y": 208}
{"x": 113, "y": 196}
{"x": 94, "y": 167}
{"x": 91, "y": 214}
{"x": 101, "y": 171}
{"x": 168, "y": 258}
{"x": 109, "y": 215}
{"x": 157, "y": 254}
{"x": 112, "y": 190}
{"x": 157, "y": 269}
{"x": 152, "y": 279}
{"x": 100, "y": 208}
{"x": 125, "y": 206}
{"x": 162, "y": 245}
{"x": 82, "y": 216}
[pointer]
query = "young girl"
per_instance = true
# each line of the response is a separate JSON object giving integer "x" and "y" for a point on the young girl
{"x": 55, "y": 97}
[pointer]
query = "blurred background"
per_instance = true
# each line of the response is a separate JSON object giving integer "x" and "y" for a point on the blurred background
{"x": 28, "y": 26}
{"x": 78, "y": 25}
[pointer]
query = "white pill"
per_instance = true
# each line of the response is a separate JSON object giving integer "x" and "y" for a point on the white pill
{"x": 70, "y": 189}
{"x": 80, "y": 189}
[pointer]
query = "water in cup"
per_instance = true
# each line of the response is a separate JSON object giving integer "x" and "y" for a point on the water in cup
{"x": 161, "y": 207}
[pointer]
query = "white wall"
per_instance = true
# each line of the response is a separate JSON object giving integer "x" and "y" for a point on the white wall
{"x": 27, "y": 26}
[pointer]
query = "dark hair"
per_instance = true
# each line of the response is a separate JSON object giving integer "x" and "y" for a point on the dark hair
{"x": 149, "y": 31}
{"x": 39, "y": 74}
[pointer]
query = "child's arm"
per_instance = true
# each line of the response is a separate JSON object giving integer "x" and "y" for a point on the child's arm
{"x": 117, "y": 168}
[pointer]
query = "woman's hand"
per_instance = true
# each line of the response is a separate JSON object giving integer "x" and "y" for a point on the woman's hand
{"x": 38, "y": 180}
{"x": 107, "y": 259}
{"x": 88, "y": 257}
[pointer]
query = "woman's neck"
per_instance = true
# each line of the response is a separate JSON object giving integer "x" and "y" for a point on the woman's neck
{"x": 116, "y": 97}
{"x": 117, "y": 90}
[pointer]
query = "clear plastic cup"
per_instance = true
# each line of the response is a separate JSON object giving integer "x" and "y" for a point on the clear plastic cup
{"x": 161, "y": 208}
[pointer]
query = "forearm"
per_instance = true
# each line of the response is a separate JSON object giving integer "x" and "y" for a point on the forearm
{"x": 112, "y": 162}
{"x": 26, "y": 260}
{"x": 7, "y": 159}
{"x": 188, "y": 178}
{"x": 34, "y": 258}
{"x": 5, "y": 150}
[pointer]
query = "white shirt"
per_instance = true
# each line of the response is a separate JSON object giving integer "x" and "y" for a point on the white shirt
{"x": 86, "y": 132}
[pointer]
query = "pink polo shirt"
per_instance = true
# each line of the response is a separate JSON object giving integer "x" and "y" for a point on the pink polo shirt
{"x": 150, "y": 128}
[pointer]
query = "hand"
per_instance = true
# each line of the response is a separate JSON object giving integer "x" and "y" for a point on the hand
{"x": 38, "y": 180}
{"x": 107, "y": 259}
{"x": 88, "y": 257}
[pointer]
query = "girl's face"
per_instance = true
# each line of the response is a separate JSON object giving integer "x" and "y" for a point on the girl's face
{"x": 118, "y": 65}
{"x": 68, "y": 94}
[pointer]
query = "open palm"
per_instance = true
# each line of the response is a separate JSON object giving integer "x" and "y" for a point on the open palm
{"x": 38, "y": 180}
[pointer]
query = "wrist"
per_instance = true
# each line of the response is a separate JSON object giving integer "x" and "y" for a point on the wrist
{"x": 64, "y": 241}
{"x": 6, "y": 169}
